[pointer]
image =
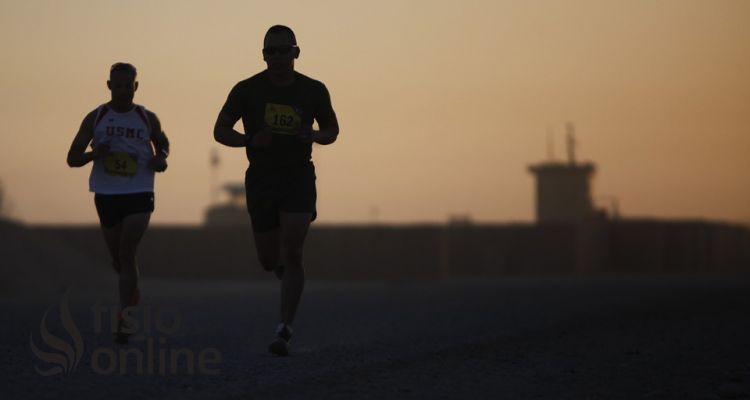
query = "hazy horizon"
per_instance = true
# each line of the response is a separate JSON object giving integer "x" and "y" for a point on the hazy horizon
{"x": 442, "y": 105}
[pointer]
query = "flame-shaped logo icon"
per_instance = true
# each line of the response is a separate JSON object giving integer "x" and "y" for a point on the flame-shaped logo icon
{"x": 66, "y": 359}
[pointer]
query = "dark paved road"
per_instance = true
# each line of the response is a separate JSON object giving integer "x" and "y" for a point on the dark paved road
{"x": 635, "y": 338}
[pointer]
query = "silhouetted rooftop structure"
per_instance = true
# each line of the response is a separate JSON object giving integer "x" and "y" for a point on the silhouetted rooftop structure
{"x": 231, "y": 213}
{"x": 563, "y": 189}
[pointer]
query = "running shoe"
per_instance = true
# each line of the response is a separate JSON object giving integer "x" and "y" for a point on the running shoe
{"x": 280, "y": 346}
{"x": 122, "y": 334}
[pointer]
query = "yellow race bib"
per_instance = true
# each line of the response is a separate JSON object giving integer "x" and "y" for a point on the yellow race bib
{"x": 120, "y": 163}
{"x": 282, "y": 119}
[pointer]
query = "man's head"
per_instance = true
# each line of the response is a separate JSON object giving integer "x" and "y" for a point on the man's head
{"x": 122, "y": 82}
{"x": 280, "y": 48}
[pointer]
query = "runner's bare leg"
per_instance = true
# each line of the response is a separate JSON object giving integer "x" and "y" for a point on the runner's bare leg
{"x": 294, "y": 228}
{"x": 133, "y": 228}
{"x": 112, "y": 238}
{"x": 267, "y": 247}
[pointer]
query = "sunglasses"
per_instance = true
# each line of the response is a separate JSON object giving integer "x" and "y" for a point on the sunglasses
{"x": 280, "y": 50}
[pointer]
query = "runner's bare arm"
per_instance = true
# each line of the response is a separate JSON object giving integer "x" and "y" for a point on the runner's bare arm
{"x": 77, "y": 155}
{"x": 224, "y": 132}
{"x": 329, "y": 130}
{"x": 160, "y": 142}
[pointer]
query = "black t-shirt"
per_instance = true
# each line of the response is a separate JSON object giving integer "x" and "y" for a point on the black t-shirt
{"x": 282, "y": 108}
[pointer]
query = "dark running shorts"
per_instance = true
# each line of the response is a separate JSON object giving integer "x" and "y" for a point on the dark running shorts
{"x": 270, "y": 191}
{"x": 112, "y": 208}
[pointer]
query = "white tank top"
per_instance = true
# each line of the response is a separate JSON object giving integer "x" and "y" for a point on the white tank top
{"x": 129, "y": 137}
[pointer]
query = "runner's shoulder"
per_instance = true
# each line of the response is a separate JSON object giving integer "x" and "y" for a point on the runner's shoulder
{"x": 92, "y": 114}
{"x": 251, "y": 82}
{"x": 245, "y": 89}
{"x": 309, "y": 82}
{"x": 150, "y": 114}
{"x": 89, "y": 119}
{"x": 96, "y": 112}
{"x": 152, "y": 118}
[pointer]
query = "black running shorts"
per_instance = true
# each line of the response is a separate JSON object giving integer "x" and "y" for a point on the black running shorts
{"x": 270, "y": 191}
{"x": 112, "y": 208}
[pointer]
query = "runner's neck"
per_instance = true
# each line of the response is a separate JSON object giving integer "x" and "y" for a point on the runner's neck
{"x": 120, "y": 107}
{"x": 285, "y": 78}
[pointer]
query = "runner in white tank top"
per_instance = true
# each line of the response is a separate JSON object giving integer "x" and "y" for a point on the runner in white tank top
{"x": 128, "y": 136}
{"x": 128, "y": 146}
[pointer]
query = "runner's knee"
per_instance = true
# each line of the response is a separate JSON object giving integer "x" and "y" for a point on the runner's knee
{"x": 126, "y": 259}
{"x": 269, "y": 259}
{"x": 292, "y": 255}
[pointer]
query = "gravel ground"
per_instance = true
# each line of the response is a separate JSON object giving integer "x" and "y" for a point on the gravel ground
{"x": 604, "y": 338}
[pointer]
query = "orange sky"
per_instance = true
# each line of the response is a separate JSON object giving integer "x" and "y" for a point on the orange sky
{"x": 442, "y": 105}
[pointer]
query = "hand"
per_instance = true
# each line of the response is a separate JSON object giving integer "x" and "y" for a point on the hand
{"x": 306, "y": 134}
{"x": 262, "y": 138}
{"x": 100, "y": 151}
{"x": 158, "y": 163}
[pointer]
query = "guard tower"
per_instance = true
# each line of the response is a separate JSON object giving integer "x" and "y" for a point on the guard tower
{"x": 563, "y": 190}
{"x": 231, "y": 212}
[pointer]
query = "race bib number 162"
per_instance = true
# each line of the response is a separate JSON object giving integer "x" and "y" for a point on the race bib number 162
{"x": 282, "y": 119}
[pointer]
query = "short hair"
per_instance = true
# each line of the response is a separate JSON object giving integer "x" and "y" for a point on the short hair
{"x": 123, "y": 67}
{"x": 276, "y": 29}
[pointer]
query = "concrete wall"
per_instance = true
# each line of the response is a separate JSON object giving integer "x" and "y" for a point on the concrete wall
{"x": 436, "y": 251}
{"x": 653, "y": 246}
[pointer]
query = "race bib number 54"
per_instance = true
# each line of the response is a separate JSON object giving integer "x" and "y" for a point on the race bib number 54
{"x": 282, "y": 119}
{"x": 123, "y": 164}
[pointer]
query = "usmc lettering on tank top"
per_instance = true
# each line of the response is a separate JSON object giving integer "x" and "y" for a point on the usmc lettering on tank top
{"x": 129, "y": 133}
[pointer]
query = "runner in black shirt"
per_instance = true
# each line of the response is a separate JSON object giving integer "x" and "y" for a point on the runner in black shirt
{"x": 278, "y": 107}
